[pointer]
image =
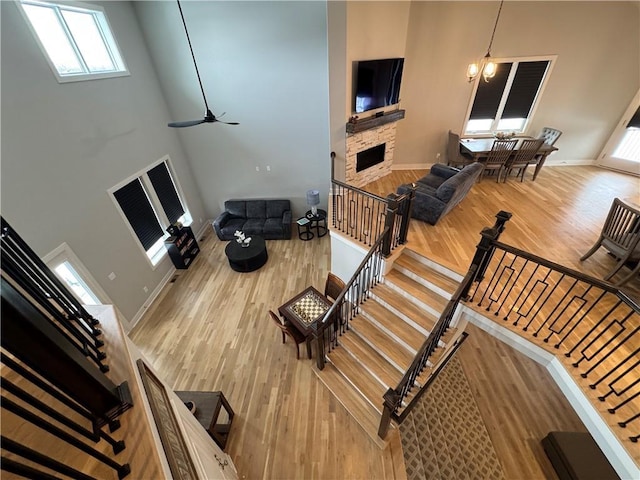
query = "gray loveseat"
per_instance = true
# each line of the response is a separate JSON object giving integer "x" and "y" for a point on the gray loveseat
{"x": 441, "y": 190}
{"x": 271, "y": 219}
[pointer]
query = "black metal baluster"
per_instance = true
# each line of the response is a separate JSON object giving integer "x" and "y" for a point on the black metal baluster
{"x": 122, "y": 470}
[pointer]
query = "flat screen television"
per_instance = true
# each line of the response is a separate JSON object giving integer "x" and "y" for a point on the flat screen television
{"x": 377, "y": 83}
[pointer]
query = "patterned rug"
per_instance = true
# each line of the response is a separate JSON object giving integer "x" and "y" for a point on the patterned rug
{"x": 444, "y": 437}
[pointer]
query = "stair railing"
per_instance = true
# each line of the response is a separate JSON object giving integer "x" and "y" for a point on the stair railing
{"x": 363, "y": 215}
{"x": 337, "y": 319}
{"x": 52, "y": 368}
{"x": 590, "y": 321}
{"x": 395, "y": 406}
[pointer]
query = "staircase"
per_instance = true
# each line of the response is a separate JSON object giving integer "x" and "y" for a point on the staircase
{"x": 385, "y": 337}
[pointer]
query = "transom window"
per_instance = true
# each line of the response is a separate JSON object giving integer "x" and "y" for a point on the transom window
{"x": 507, "y": 101}
{"x": 150, "y": 202}
{"x": 76, "y": 40}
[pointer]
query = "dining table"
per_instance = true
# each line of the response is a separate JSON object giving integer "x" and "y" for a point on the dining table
{"x": 480, "y": 147}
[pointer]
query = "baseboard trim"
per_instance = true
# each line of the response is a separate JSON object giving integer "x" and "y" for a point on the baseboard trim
{"x": 410, "y": 166}
{"x": 550, "y": 162}
{"x": 151, "y": 298}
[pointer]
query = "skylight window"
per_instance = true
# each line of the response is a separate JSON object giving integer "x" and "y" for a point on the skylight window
{"x": 76, "y": 40}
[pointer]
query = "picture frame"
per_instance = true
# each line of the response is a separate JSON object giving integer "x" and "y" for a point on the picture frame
{"x": 175, "y": 448}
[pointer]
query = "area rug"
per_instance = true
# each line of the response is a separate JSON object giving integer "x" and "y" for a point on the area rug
{"x": 444, "y": 437}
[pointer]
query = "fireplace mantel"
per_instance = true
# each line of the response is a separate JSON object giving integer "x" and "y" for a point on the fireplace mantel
{"x": 373, "y": 122}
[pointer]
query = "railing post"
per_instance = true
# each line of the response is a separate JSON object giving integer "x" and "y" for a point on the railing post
{"x": 391, "y": 399}
{"x": 407, "y": 205}
{"x": 390, "y": 217}
{"x": 320, "y": 350}
{"x": 484, "y": 249}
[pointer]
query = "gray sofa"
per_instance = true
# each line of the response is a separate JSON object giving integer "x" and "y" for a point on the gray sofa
{"x": 441, "y": 190}
{"x": 271, "y": 219}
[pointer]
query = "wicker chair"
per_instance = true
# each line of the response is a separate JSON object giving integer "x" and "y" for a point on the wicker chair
{"x": 621, "y": 237}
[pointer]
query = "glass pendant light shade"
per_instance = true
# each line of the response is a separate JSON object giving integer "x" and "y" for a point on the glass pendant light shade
{"x": 487, "y": 66}
{"x": 489, "y": 70}
{"x": 472, "y": 71}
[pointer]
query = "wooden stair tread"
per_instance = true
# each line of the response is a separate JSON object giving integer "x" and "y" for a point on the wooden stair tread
{"x": 402, "y": 304}
{"x": 393, "y": 324}
{"x": 361, "y": 379}
{"x": 370, "y": 359}
{"x": 391, "y": 350}
{"x": 416, "y": 290}
{"x": 424, "y": 271}
{"x": 363, "y": 413}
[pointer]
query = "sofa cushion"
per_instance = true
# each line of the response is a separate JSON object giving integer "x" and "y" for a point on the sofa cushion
{"x": 253, "y": 226}
{"x": 447, "y": 189}
{"x": 276, "y": 208}
{"x": 236, "y": 208}
{"x": 432, "y": 181}
{"x": 231, "y": 226}
{"x": 273, "y": 226}
{"x": 256, "y": 209}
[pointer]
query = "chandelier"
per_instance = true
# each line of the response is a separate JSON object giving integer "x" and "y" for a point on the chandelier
{"x": 487, "y": 66}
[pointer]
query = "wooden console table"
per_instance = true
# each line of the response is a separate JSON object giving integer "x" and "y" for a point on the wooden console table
{"x": 213, "y": 412}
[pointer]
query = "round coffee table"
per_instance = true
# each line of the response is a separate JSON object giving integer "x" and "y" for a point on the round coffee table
{"x": 247, "y": 259}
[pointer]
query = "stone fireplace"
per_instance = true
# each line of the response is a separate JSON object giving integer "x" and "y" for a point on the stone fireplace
{"x": 379, "y": 139}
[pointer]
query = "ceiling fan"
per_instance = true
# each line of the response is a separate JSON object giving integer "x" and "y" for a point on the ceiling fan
{"x": 209, "y": 117}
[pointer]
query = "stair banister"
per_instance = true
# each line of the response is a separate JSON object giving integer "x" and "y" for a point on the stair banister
{"x": 355, "y": 300}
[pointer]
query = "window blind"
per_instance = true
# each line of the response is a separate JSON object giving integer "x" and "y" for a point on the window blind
{"x": 136, "y": 207}
{"x": 524, "y": 89}
{"x": 166, "y": 191}
{"x": 635, "y": 120}
{"x": 489, "y": 94}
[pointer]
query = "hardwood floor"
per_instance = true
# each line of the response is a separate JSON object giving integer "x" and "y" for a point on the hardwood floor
{"x": 210, "y": 331}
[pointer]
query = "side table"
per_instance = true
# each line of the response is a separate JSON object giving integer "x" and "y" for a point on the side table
{"x": 304, "y": 229}
{"x": 213, "y": 412}
{"x": 318, "y": 221}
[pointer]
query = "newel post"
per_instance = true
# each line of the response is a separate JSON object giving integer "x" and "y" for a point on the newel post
{"x": 391, "y": 400}
{"x": 484, "y": 249}
{"x": 407, "y": 206}
{"x": 389, "y": 222}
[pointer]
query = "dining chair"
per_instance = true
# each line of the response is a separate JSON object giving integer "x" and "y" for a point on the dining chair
{"x": 549, "y": 135}
{"x": 523, "y": 157}
{"x": 456, "y": 158}
{"x": 621, "y": 237}
{"x": 333, "y": 286}
{"x": 497, "y": 157}
{"x": 289, "y": 330}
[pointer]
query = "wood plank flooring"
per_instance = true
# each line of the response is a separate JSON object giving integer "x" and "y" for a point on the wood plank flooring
{"x": 210, "y": 331}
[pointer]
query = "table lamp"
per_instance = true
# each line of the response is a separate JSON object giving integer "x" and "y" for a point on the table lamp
{"x": 313, "y": 199}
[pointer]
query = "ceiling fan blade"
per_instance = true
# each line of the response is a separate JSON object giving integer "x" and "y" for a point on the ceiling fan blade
{"x": 228, "y": 123}
{"x": 188, "y": 123}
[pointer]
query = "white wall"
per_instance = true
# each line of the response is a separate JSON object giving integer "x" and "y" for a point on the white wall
{"x": 64, "y": 145}
{"x": 595, "y": 77}
{"x": 265, "y": 63}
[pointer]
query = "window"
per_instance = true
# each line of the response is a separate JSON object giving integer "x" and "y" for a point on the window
{"x": 507, "y": 101}
{"x": 150, "y": 202}
{"x": 76, "y": 40}
{"x": 629, "y": 146}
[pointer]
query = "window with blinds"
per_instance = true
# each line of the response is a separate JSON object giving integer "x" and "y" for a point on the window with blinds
{"x": 506, "y": 102}
{"x": 629, "y": 146}
{"x": 150, "y": 202}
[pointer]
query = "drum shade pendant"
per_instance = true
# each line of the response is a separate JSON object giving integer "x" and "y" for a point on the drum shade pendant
{"x": 487, "y": 66}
